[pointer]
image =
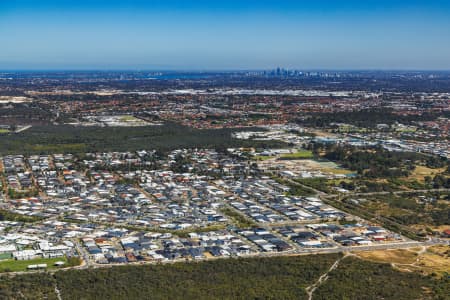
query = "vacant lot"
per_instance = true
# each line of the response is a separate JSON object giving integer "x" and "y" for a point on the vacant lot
{"x": 420, "y": 172}
{"x": 424, "y": 260}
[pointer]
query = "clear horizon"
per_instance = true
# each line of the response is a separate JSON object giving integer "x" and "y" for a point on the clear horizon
{"x": 202, "y": 35}
{"x": 222, "y": 70}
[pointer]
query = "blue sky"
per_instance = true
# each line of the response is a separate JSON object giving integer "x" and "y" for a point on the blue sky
{"x": 216, "y": 35}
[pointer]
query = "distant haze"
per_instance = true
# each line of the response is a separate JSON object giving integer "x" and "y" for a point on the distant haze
{"x": 221, "y": 35}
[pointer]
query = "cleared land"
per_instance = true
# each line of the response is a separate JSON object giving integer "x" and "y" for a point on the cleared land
{"x": 301, "y": 154}
{"x": 304, "y": 164}
{"x": 11, "y": 265}
{"x": 420, "y": 172}
{"x": 430, "y": 260}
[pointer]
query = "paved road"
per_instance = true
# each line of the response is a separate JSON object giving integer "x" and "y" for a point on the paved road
{"x": 87, "y": 263}
{"x": 399, "y": 192}
{"x": 319, "y": 193}
{"x": 84, "y": 255}
{"x": 294, "y": 252}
